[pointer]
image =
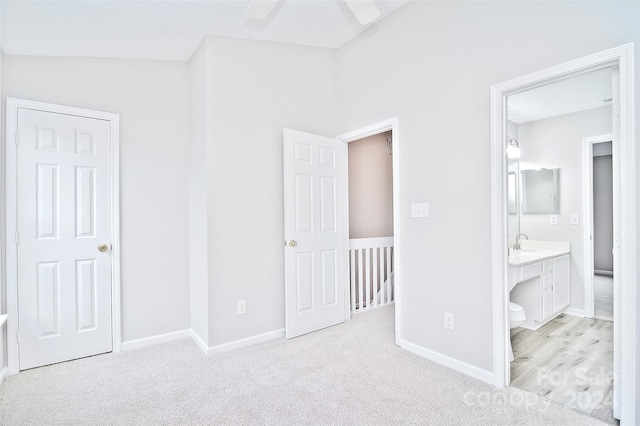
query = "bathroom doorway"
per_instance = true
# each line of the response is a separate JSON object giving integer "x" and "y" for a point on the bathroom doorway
{"x": 623, "y": 126}
{"x": 556, "y": 345}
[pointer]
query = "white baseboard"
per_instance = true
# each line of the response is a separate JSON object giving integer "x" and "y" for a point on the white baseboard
{"x": 154, "y": 340}
{"x": 574, "y": 312}
{"x": 247, "y": 341}
{"x": 208, "y": 350}
{"x": 447, "y": 361}
{"x": 198, "y": 340}
{"x": 3, "y": 375}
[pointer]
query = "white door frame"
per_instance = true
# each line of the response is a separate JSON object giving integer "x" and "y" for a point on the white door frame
{"x": 623, "y": 58}
{"x": 361, "y": 133}
{"x": 13, "y": 105}
{"x": 587, "y": 215}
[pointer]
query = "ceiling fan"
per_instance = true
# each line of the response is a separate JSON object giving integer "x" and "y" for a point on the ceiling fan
{"x": 365, "y": 11}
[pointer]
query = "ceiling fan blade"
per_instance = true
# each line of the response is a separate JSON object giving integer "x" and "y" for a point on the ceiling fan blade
{"x": 365, "y": 11}
{"x": 260, "y": 9}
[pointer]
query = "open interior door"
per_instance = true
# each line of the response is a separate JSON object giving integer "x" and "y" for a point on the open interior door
{"x": 315, "y": 232}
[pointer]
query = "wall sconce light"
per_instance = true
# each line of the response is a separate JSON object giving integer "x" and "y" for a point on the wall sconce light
{"x": 513, "y": 149}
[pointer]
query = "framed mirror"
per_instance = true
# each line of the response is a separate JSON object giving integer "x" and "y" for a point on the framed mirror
{"x": 539, "y": 191}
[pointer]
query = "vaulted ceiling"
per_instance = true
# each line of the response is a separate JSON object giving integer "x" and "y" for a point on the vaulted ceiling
{"x": 169, "y": 30}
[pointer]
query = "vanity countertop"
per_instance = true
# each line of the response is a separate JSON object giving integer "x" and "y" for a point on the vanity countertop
{"x": 535, "y": 251}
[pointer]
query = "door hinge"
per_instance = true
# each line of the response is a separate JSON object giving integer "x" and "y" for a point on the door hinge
{"x": 17, "y": 238}
{"x": 18, "y": 337}
{"x": 17, "y": 138}
{"x": 616, "y": 109}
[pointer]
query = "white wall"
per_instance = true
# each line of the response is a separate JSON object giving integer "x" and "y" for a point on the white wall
{"x": 152, "y": 98}
{"x": 257, "y": 89}
{"x": 558, "y": 142}
{"x": 431, "y": 64}
{"x": 370, "y": 187}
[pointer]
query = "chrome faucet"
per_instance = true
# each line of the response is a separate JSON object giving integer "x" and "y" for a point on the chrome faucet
{"x": 517, "y": 245}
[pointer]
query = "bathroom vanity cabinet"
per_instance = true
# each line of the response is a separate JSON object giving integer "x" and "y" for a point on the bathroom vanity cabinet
{"x": 542, "y": 288}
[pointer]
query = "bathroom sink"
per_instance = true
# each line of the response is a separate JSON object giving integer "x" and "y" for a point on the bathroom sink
{"x": 534, "y": 251}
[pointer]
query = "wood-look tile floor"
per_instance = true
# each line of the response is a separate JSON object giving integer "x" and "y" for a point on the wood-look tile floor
{"x": 569, "y": 360}
{"x": 603, "y": 297}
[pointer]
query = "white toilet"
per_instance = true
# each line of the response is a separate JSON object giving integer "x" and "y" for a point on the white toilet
{"x": 516, "y": 318}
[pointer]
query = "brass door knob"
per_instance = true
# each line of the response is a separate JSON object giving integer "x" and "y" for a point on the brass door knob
{"x": 102, "y": 247}
{"x": 293, "y": 243}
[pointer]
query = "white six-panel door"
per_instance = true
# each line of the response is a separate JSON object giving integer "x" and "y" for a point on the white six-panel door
{"x": 315, "y": 226}
{"x": 63, "y": 223}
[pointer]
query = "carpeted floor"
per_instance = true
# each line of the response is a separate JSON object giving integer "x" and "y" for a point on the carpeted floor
{"x": 351, "y": 374}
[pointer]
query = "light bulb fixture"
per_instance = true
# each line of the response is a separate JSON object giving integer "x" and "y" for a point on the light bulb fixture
{"x": 513, "y": 149}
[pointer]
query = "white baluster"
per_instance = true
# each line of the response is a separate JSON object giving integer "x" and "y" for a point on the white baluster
{"x": 352, "y": 269}
{"x": 368, "y": 275}
{"x": 374, "y": 281}
{"x": 389, "y": 271}
{"x": 360, "y": 280}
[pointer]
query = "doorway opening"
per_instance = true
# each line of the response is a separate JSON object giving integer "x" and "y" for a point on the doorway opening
{"x": 552, "y": 337}
{"x": 625, "y": 249}
{"x": 316, "y": 211}
{"x": 370, "y": 177}
{"x": 599, "y": 235}
{"x": 373, "y": 237}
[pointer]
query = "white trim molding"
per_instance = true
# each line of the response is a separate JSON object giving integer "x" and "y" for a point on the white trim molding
{"x": 13, "y": 104}
{"x": 198, "y": 340}
{"x": 621, "y": 57}
{"x": 207, "y": 350}
{"x": 241, "y": 343}
{"x": 574, "y": 311}
{"x": 461, "y": 366}
{"x": 130, "y": 345}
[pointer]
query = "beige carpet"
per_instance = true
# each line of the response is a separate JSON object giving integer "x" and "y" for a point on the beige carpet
{"x": 351, "y": 374}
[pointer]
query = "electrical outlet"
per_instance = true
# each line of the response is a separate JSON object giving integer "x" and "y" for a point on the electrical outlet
{"x": 448, "y": 320}
{"x": 242, "y": 307}
{"x": 553, "y": 219}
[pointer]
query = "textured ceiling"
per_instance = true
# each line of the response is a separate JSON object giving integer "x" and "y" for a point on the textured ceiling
{"x": 575, "y": 94}
{"x": 168, "y": 30}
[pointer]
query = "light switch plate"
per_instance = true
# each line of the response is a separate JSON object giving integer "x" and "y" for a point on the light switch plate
{"x": 575, "y": 219}
{"x": 553, "y": 219}
{"x": 419, "y": 209}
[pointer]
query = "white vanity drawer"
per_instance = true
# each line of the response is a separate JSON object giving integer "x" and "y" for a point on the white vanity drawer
{"x": 530, "y": 271}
